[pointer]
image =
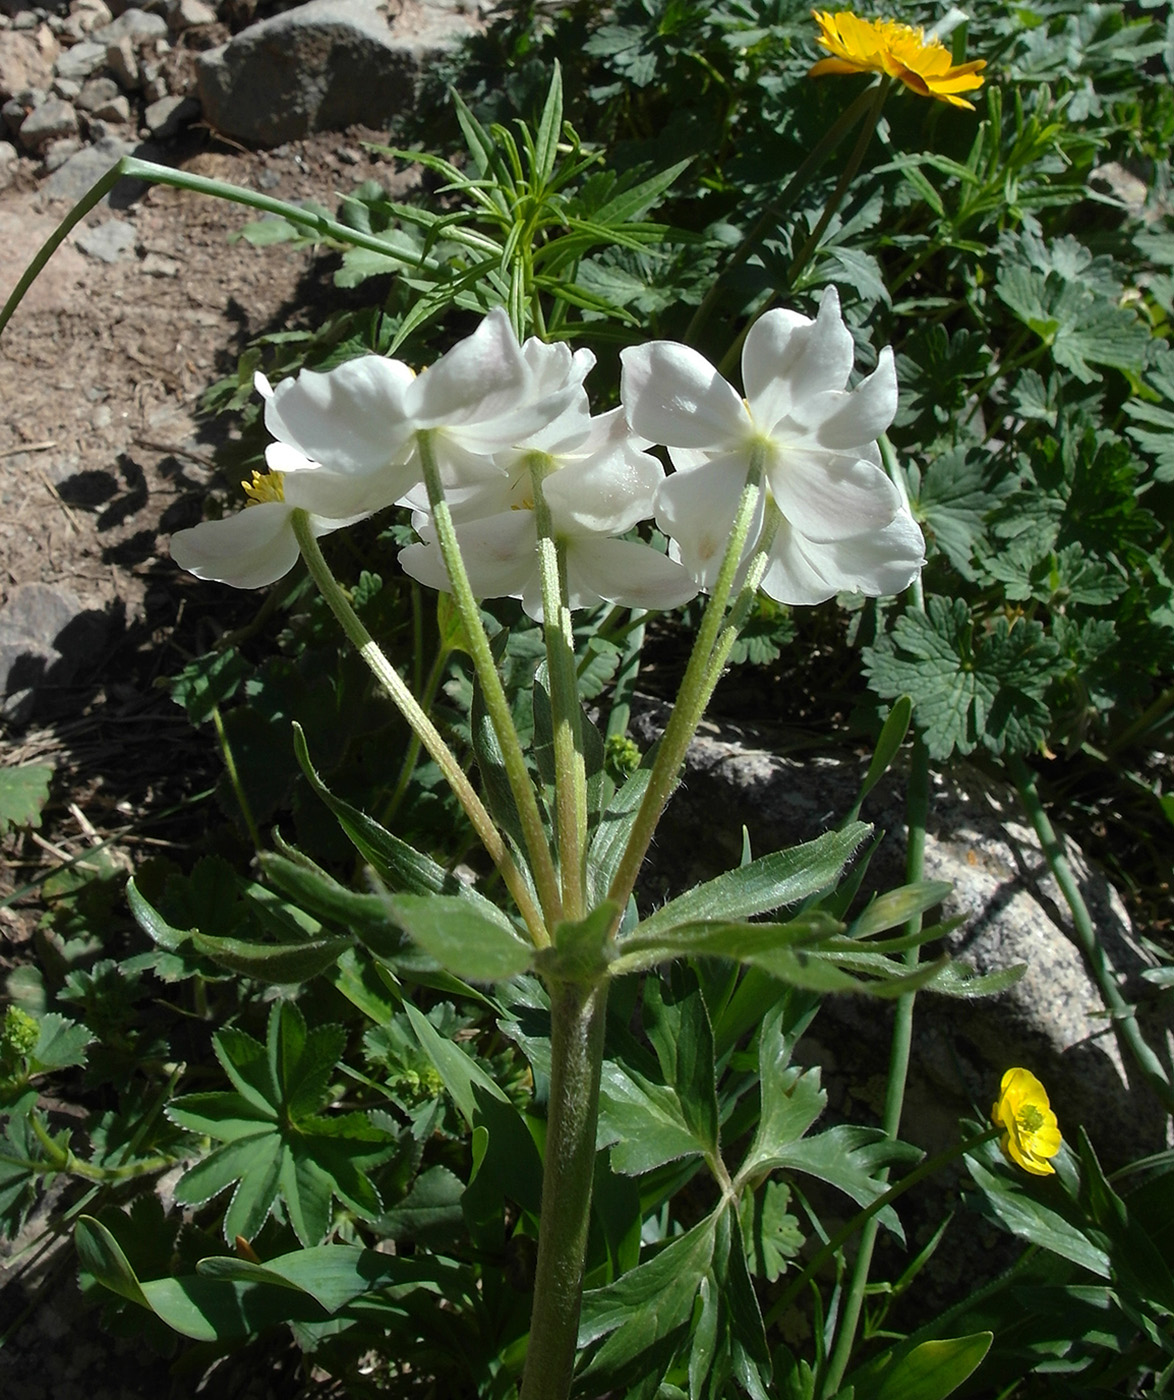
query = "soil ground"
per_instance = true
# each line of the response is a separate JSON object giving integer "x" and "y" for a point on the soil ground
{"x": 103, "y": 453}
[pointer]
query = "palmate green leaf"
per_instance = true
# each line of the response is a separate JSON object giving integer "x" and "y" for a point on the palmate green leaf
{"x": 275, "y": 1140}
{"x": 23, "y": 793}
{"x": 1153, "y": 417}
{"x": 1081, "y": 328}
{"x": 851, "y": 1159}
{"x": 952, "y": 498}
{"x": 972, "y": 685}
{"x": 677, "y": 1025}
{"x": 644, "y": 1124}
{"x": 792, "y": 1099}
{"x": 60, "y": 1044}
{"x": 772, "y": 1234}
{"x": 781, "y": 949}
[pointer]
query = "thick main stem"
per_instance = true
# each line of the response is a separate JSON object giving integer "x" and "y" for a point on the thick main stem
{"x": 577, "y": 1016}
{"x": 408, "y": 706}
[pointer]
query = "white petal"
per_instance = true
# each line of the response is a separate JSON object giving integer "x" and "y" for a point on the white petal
{"x": 605, "y": 494}
{"x": 626, "y": 572}
{"x": 500, "y": 555}
{"x": 697, "y": 510}
{"x": 254, "y": 547}
{"x": 880, "y": 563}
{"x": 673, "y": 395}
{"x": 830, "y": 497}
{"x": 790, "y": 576}
{"x": 349, "y": 419}
{"x": 344, "y": 498}
{"x": 262, "y": 385}
{"x": 480, "y": 378}
{"x": 843, "y": 422}
{"x": 788, "y": 359}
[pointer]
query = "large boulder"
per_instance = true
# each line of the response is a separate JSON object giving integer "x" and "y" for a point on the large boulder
{"x": 1053, "y": 1021}
{"x": 323, "y": 66}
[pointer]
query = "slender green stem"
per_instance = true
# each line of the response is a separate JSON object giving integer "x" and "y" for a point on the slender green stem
{"x": 570, "y": 776}
{"x": 408, "y": 706}
{"x": 693, "y": 695}
{"x": 577, "y": 1016}
{"x": 835, "y": 199}
{"x": 132, "y": 168}
{"x": 917, "y": 807}
{"x": 492, "y": 690}
{"x": 1084, "y": 935}
{"x": 917, "y": 810}
{"x": 61, "y": 1159}
{"x": 778, "y": 207}
{"x": 412, "y": 753}
{"x": 242, "y": 797}
{"x": 865, "y": 1217}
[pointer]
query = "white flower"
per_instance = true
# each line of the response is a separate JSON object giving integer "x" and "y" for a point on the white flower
{"x": 844, "y": 525}
{"x": 489, "y": 394}
{"x": 342, "y": 453}
{"x": 598, "y": 483}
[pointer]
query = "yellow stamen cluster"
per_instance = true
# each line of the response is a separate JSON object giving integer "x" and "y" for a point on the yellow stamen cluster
{"x": 264, "y": 488}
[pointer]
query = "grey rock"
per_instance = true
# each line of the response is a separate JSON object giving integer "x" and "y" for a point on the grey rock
{"x": 68, "y": 88}
{"x": 82, "y": 61}
{"x": 95, "y": 92}
{"x": 46, "y": 635}
{"x": 56, "y": 153}
{"x": 22, "y": 64}
{"x": 117, "y": 110}
{"x": 169, "y": 114}
{"x": 111, "y": 241}
{"x": 323, "y": 66}
{"x": 132, "y": 24}
{"x": 123, "y": 62}
{"x": 51, "y": 121}
{"x": 156, "y": 265}
{"x": 26, "y": 19}
{"x": 189, "y": 14}
{"x": 84, "y": 169}
{"x": 1053, "y": 1020}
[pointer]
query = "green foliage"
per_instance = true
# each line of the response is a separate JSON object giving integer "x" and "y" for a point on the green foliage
{"x": 396, "y": 1088}
{"x": 23, "y": 793}
{"x": 276, "y": 1143}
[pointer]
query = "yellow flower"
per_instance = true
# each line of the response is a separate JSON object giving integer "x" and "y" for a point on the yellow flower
{"x": 884, "y": 46}
{"x": 1030, "y": 1132}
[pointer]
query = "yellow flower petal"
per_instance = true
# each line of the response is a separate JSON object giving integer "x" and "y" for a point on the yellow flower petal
{"x": 923, "y": 65}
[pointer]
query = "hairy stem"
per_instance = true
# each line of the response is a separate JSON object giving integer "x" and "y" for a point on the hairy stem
{"x": 492, "y": 690}
{"x": 408, "y": 706}
{"x": 577, "y": 1016}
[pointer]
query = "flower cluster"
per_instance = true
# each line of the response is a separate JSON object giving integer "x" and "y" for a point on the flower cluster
{"x": 519, "y": 457}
